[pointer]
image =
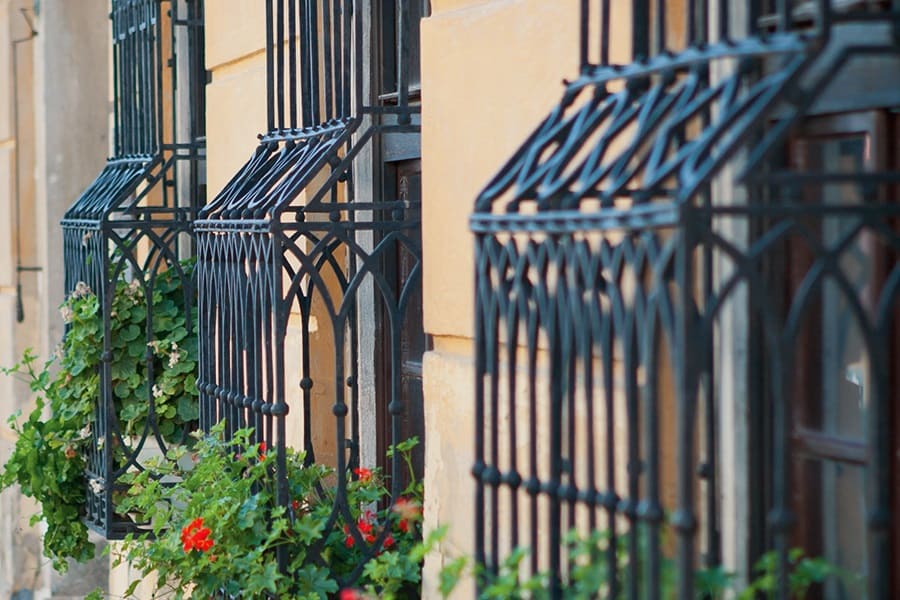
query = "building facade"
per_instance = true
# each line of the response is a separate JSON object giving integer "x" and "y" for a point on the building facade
{"x": 671, "y": 317}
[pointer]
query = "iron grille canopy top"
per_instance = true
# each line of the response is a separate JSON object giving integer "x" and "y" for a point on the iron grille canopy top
{"x": 315, "y": 104}
{"x": 647, "y": 136}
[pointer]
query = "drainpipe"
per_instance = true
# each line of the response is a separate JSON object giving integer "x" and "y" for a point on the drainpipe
{"x": 20, "y": 307}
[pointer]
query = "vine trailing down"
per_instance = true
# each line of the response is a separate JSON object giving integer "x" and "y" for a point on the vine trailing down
{"x": 48, "y": 461}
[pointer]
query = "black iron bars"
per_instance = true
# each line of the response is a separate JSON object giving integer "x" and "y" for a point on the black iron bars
{"x": 132, "y": 224}
{"x": 596, "y": 294}
{"x": 287, "y": 246}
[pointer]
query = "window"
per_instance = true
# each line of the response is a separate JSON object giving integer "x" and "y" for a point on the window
{"x": 842, "y": 356}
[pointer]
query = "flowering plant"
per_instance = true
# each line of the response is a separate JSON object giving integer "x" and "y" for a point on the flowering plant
{"x": 222, "y": 531}
{"x": 47, "y": 461}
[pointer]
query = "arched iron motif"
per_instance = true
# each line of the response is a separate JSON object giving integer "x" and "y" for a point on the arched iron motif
{"x": 611, "y": 248}
{"x": 291, "y": 244}
{"x": 131, "y": 226}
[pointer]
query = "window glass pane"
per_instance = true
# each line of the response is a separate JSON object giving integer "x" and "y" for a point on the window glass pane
{"x": 839, "y": 524}
{"x": 844, "y": 359}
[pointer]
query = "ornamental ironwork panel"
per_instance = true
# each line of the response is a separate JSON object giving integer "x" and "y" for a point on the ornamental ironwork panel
{"x": 128, "y": 236}
{"x": 679, "y": 253}
{"x": 291, "y": 253}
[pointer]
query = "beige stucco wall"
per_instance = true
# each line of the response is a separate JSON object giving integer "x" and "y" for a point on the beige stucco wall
{"x": 61, "y": 82}
{"x": 490, "y": 72}
{"x": 20, "y": 547}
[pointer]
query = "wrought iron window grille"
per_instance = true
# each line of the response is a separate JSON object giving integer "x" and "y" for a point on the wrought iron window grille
{"x": 653, "y": 199}
{"x": 133, "y": 222}
{"x": 290, "y": 243}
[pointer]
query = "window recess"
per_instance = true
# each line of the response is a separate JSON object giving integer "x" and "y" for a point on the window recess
{"x": 625, "y": 245}
{"x": 292, "y": 253}
{"x": 130, "y": 230}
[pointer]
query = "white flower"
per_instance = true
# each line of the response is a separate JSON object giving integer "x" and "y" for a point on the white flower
{"x": 81, "y": 289}
{"x": 174, "y": 357}
{"x": 96, "y": 486}
{"x": 157, "y": 393}
{"x": 66, "y": 313}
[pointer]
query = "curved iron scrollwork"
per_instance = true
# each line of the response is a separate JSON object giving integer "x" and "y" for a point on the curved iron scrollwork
{"x": 132, "y": 225}
{"x": 652, "y": 217}
{"x": 290, "y": 256}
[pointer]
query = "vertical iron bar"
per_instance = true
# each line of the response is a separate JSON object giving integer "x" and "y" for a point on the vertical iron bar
{"x": 660, "y": 28}
{"x": 723, "y": 16}
{"x": 640, "y": 27}
{"x": 533, "y": 485}
{"x": 347, "y": 47}
{"x": 880, "y": 517}
{"x": 690, "y": 17}
{"x": 276, "y": 331}
{"x": 557, "y": 394}
{"x": 306, "y": 67}
{"x": 702, "y": 27}
{"x": 604, "y": 32}
{"x": 783, "y": 12}
{"x": 279, "y": 61}
{"x": 127, "y": 92}
{"x": 313, "y": 90}
{"x": 824, "y": 20}
{"x": 512, "y": 344}
{"x": 339, "y": 50}
{"x": 270, "y": 67}
{"x": 652, "y": 508}
{"x": 493, "y": 368}
{"x": 780, "y": 518}
{"x": 403, "y": 29}
{"x": 328, "y": 66}
{"x": 684, "y": 520}
{"x": 587, "y": 361}
{"x": 156, "y": 118}
{"x": 482, "y": 276}
{"x": 754, "y": 12}
{"x": 118, "y": 148}
{"x": 584, "y": 16}
{"x": 611, "y": 499}
{"x": 634, "y": 457}
{"x": 292, "y": 60}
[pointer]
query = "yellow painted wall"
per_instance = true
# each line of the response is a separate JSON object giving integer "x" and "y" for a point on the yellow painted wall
{"x": 490, "y": 72}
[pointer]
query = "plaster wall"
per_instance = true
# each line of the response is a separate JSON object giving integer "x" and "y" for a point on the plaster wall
{"x": 71, "y": 124}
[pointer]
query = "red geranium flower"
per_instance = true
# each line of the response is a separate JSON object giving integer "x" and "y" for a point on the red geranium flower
{"x": 349, "y": 540}
{"x": 364, "y": 474}
{"x": 408, "y": 510}
{"x": 350, "y": 594}
{"x": 388, "y": 541}
{"x": 262, "y": 450}
{"x": 196, "y": 537}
